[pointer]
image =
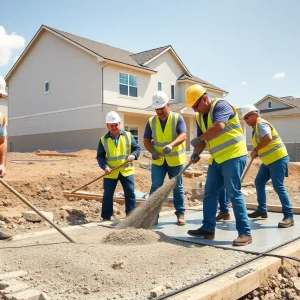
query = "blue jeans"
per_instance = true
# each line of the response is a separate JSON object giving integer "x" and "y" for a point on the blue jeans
{"x": 276, "y": 171}
{"x": 158, "y": 174}
{"x": 223, "y": 201}
{"x": 229, "y": 174}
{"x": 109, "y": 190}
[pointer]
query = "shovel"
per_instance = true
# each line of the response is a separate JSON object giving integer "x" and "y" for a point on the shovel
{"x": 114, "y": 169}
{"x": 16, "y": 193}
{"x": 247, "y": 169}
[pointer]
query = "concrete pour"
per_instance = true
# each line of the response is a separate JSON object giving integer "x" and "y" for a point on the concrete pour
{"x": 95, "y": 270}
{"x": 265, "y": 232}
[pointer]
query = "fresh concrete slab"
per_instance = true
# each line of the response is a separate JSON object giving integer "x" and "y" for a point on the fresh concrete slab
{"x": 265, "y": 233}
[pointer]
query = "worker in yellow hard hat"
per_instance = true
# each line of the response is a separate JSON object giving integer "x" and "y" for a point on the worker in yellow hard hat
{"x": 3, "y": 146}
{"x": 268, "y": 146}
{"x": 220, "y": 132}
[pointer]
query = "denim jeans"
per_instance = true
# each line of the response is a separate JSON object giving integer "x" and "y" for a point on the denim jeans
{"x": 158, "y": 174}
{"x": 223, "y": 201}
{"x": 226, "y": 174}
{"x": 109, "y": 189}
{"x": 276, "y": 171}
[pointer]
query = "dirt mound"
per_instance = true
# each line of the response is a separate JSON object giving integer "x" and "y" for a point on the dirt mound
{"x": 131, "y": 236}
{"x": 86, "y": 153}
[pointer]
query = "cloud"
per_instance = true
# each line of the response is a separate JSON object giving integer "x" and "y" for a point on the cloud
{"x": 243, "y": 83}
{"x": 279, "y": 75}
{"x": 9, "y": 43}
{"x": 16, "y": 58}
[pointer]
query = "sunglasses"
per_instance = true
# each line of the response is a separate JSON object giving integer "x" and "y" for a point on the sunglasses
{"x": 194, "y": 107}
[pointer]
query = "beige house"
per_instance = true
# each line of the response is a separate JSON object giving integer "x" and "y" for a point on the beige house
{"x": 284, "y": 114}
{"x": 63, "y": 85}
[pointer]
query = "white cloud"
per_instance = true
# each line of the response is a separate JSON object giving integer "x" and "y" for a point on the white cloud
{"x": 16, "y": 58}
{"x": 243, "y": 83}
{"x": 9, "y": 43}
{"x": 279, "y": 75}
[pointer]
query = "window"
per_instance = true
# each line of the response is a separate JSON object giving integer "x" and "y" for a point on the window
{"x": 47, "y": 87}
{"x": 269, "y": 104}
{"x": 159, "y": 86}
{"x": 128, "y": 85}
{"x": 172, "y": 91}
{"x": 134, "y": 131}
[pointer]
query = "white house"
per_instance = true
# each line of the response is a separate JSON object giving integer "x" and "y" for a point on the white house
{"x": 62, "y": 86}
{"x": 284, "y": 114}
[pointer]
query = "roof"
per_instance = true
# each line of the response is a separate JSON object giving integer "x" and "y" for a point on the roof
{"x": 280, "y": 113}
{"x": 110, "y": 53}
{"x": 280, "y": 99}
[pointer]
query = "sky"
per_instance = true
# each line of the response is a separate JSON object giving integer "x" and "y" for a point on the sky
{"x": 248, "y": 48}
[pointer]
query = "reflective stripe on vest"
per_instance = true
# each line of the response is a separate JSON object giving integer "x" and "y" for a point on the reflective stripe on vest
{"x": 116, "y": 155}
{"x": 162, "y": 138}
{"x": 275, "y": 150}
{"x": 230, "y": 142}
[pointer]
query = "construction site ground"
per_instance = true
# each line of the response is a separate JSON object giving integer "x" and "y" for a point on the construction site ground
{"x": 123, "y": 267}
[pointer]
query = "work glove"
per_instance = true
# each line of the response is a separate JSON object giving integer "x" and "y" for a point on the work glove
{"x": 155, "y": 155}
{"x": 194, "y": 157}
{"x": 196, "y": 141}
{"x": 131, "y": 157}
{"x": 2, "y": 170}
{"x": 107, "y": 170}
{"x": 167, "y": 149}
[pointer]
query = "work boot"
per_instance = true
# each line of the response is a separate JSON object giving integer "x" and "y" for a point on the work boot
{"x": 180, "y": 220}
{"x": 242, "y": 240}
{"x": 223, "y": 216}
{"x": 5, "y": 237}
{"x": 202, "y": 233}
{"x": 257, "y": 214}
{"x": 286, "y": 222}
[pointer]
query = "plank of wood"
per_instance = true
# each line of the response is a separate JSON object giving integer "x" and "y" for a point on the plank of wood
{"x": 55, "y": 154}
{"x": 228, "y": 286}
{"x": 99, "y": 197}
{"x": 272, "y": 208}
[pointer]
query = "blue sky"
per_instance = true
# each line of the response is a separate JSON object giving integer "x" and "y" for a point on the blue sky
{"x": 248, "y": 48}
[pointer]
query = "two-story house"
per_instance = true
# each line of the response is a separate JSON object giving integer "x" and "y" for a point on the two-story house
{"x": 284, "y": 114}
{"x": 63, "y": 85}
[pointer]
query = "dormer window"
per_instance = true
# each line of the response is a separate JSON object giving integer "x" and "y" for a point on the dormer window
{"x": 269, "y": 104}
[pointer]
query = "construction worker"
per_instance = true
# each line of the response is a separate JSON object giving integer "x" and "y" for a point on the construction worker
{"x": 222, "y": 135}
{"x": 115, "y": 148}
{"x": 223, "y": 214}
{"x": 3, "y": 146}
{"x": 269, "y": 147}
{"x": 164, "y": 138}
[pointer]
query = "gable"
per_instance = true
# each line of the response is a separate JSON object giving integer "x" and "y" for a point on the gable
{"x": 270, "y": 102}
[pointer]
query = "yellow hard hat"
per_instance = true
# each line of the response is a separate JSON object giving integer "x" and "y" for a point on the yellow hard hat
{"x": 193, "y": 93}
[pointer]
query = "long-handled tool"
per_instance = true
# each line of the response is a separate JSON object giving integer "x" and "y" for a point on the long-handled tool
{"x": 247, "y": 169}
{"x": 112, "y": 170}
{"x": 16, "y": 193}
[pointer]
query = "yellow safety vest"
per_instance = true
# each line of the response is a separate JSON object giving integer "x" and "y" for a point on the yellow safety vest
{"x": 162, "y": 138}
{"x": 272, "y": 152}
{"x": 229, "y": 143}
{"x": 116, "y": 155}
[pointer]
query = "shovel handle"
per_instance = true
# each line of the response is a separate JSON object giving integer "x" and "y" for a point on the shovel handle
{"x": 247, "y": 169}
{"x": 112, "y": 170}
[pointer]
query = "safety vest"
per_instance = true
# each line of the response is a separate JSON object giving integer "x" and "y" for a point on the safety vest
{"x": 274, "y": 150}
{"x": 229, "y": 143}
{"x": 162, "y": 138}
{"x": 116, "y": 155}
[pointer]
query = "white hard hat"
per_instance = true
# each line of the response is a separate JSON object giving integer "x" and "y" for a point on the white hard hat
{"x": 112, "y": 117}
{"x": 159, "y": 100}
{"x": 2, "y": 87}
{"x": 245, "y": 110}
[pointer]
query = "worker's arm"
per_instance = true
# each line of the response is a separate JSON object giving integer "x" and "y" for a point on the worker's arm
{"x": 148, "y": 145}
{"x": 135, "y": 148}
{"x": 3, "y": 152}
{"x": 101, "y": 153}
{"x": 264, "y": 131}
{"x": 213, "y": 131}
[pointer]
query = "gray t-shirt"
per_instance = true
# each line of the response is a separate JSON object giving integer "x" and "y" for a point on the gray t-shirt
{"x": 263, "y": 129}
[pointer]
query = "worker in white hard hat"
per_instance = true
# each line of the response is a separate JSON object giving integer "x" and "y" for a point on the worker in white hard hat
{"x": 269, "y": 147}
{"x": 115, "y": 148}
{"x": 164, "y": 138}
{"x": 219, "y": 130}
{"x": 3, "y": 146}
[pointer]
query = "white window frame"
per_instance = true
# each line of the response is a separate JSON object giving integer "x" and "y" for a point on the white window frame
{"x": 159, "y": 82}
{"x": 47, "y": 82}
{"x": 137, "y": 91}
{"x": 171, "y": 92}
{"x": 270, "y": 102}
{"x": 131, "y": 126}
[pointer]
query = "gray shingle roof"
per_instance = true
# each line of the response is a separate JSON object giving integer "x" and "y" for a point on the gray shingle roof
{"x": 282, "y": 112}
{"x": 143, "y": 57}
